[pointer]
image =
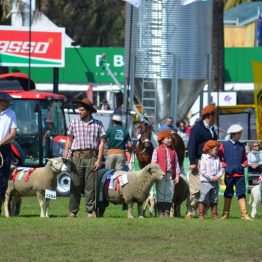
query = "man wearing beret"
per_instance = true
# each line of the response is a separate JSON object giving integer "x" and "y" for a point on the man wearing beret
{"x": 86, "y": 142}
{"x": 201, "y": 132}
{"x": 7, "y": 134}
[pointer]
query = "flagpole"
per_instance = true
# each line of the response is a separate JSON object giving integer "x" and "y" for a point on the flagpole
{"x": 30, "y": 41}
{"x": 129, "y": 63}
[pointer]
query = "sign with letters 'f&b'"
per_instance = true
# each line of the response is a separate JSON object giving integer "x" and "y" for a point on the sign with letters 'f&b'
{"x": 44, "y": 47}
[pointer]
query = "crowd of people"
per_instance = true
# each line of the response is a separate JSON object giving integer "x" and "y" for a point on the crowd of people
{"x": 208, "y": 158}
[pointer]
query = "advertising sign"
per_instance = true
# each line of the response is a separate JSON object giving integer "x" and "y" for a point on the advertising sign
{"x": 45, "y": 46}
{"x": 257, "y": 68}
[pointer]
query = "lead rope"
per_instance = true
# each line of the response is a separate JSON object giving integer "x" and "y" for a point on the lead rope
{"x": 1, "y": 160}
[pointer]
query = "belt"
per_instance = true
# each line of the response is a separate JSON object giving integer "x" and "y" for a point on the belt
{"x": 115, "y": 151}
{"x": 87, "y": 153}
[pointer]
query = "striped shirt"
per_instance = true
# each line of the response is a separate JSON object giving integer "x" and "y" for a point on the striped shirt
{"x": 210, "y": 167}
{"x": 86, "y": 135}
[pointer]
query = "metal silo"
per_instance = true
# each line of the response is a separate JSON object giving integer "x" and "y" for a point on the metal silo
{"x": 168, "y": 48}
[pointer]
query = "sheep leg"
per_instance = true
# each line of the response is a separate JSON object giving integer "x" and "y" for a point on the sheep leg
{"x": 47, "y": 201}
{"x": 6, "y": 203}
{"x": 130, "y": 210}
{"x": 41, "y": 200}
{"x": 140, "y": 210}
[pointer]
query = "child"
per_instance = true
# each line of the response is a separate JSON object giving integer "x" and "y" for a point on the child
{"x": 233, "y": 154}
{"x": 210, "y": 172}
{"x": 167, "y": 159}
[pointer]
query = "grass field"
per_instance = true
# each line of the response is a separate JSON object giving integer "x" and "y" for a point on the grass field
{"x": 116, "y": 238}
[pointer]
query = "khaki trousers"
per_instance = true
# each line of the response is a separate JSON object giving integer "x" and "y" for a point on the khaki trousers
{"x": 194, "y": 188}
{"x": 83, "y": 181}
{"x": 115, "y": 161}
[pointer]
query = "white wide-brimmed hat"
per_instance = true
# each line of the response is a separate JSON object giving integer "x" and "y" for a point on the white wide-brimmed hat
{"x": 234, "y": 129}
{"x": 117, "y": 118}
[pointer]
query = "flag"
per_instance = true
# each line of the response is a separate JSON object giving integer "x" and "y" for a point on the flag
{"x": 135, "y": 3}
{"x": 259, "y": 31}
{"x": 28, "y": 3}
{"x": 187, "y": 2}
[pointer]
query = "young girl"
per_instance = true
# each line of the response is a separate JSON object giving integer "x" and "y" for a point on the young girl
{"x": 167, "y": 159}
{"x": 210, "y": 172}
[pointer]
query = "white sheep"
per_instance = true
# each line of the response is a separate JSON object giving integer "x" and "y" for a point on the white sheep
{"x": 36, "y": 183}
{"x": 136, "y": 190}
{"x": 255, "y": 199}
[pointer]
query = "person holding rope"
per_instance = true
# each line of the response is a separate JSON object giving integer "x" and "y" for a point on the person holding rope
{"x": 167, "y": 159}
{"x": 201, "y": 132}
{"x": 7, "y": 134}
{"x": 86, "y": 141}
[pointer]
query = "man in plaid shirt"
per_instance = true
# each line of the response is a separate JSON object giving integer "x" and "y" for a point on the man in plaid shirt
{"x": 86, "y": 141}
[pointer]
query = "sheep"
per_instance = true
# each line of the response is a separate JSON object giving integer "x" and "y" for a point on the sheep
{"x": 136, "y": 190}
{"x": 151, "y": 203}
{"x": 255, "y": 199}
{"x": 36, "y": 183}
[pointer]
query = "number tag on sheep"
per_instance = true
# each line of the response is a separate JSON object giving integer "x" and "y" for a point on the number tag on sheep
{"x": 50, "y": 194}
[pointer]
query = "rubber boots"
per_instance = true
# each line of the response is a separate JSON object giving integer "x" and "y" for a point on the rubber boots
{"x": 243, "y": 209}
{"x": 214, "y": 211}
{"x": 201, "y": 211}
{"x": 160, "y": 209}
{"x": 167, "y": 207}
{"x": 227, "y": 204}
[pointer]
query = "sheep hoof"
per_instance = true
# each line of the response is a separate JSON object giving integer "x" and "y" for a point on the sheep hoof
{"x": 141, "y": 217}
{"x": 130, "y": 217}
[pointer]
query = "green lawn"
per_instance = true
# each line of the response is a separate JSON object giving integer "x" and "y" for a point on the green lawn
{"x": 116, "y": 238}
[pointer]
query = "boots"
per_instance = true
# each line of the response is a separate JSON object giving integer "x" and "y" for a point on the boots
{"x": 160, "y": 209}
{"x": 167, "y": 207}
{"x": 214, "y": 211}
{"x": 227, "y": 204}
{"x": 242, "y": 205}
{"x": 201, "y": 211}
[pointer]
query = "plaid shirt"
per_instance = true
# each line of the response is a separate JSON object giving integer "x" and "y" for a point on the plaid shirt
{"x": 86, "y": 135}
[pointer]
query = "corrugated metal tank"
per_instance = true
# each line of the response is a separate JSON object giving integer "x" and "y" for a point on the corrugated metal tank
{"x": 164, "y": 31}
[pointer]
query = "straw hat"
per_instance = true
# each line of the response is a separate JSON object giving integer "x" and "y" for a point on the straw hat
{"x": 117, "y": 118}
{"x": 85, "y": 102}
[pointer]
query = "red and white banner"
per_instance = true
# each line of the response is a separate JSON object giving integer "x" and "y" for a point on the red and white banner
{"x": 46, "y": 46}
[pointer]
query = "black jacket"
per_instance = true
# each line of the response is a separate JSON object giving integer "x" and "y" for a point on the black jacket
{"x": 199, "y": 134}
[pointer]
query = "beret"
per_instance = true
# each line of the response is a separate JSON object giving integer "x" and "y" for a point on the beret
{"x": 210, "y": 144}
{"x": 163, "y": 134}
{"x": 234, "y": 129}
{"x": 210, "y": 109}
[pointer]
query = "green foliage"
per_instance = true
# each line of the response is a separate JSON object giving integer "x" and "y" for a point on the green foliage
{"x": 116, "y": 238}
{"x": 90, "y": 23}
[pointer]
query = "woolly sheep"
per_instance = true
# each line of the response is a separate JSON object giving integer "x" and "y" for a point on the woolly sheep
{"x": 40, "y": 179}
{"x": 255, "y": 199}
{"x": 136, "y": 190}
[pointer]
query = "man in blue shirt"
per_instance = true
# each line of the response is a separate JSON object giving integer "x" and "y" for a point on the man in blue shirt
{"x": 168, "y": 125}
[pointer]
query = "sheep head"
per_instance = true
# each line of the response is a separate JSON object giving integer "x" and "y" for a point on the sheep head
{"x": 155, "y": 171}
{"x": 59, "y": 164}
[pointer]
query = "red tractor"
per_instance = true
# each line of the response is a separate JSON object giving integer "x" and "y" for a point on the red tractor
{"x": 40, "y": 123}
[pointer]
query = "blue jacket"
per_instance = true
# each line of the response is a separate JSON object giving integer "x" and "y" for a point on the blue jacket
{"x": 234, "y": 157}
{"x": 199, "y": 134}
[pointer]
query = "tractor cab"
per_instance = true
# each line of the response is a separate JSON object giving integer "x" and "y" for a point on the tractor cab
{"x": 40, "y": 119}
